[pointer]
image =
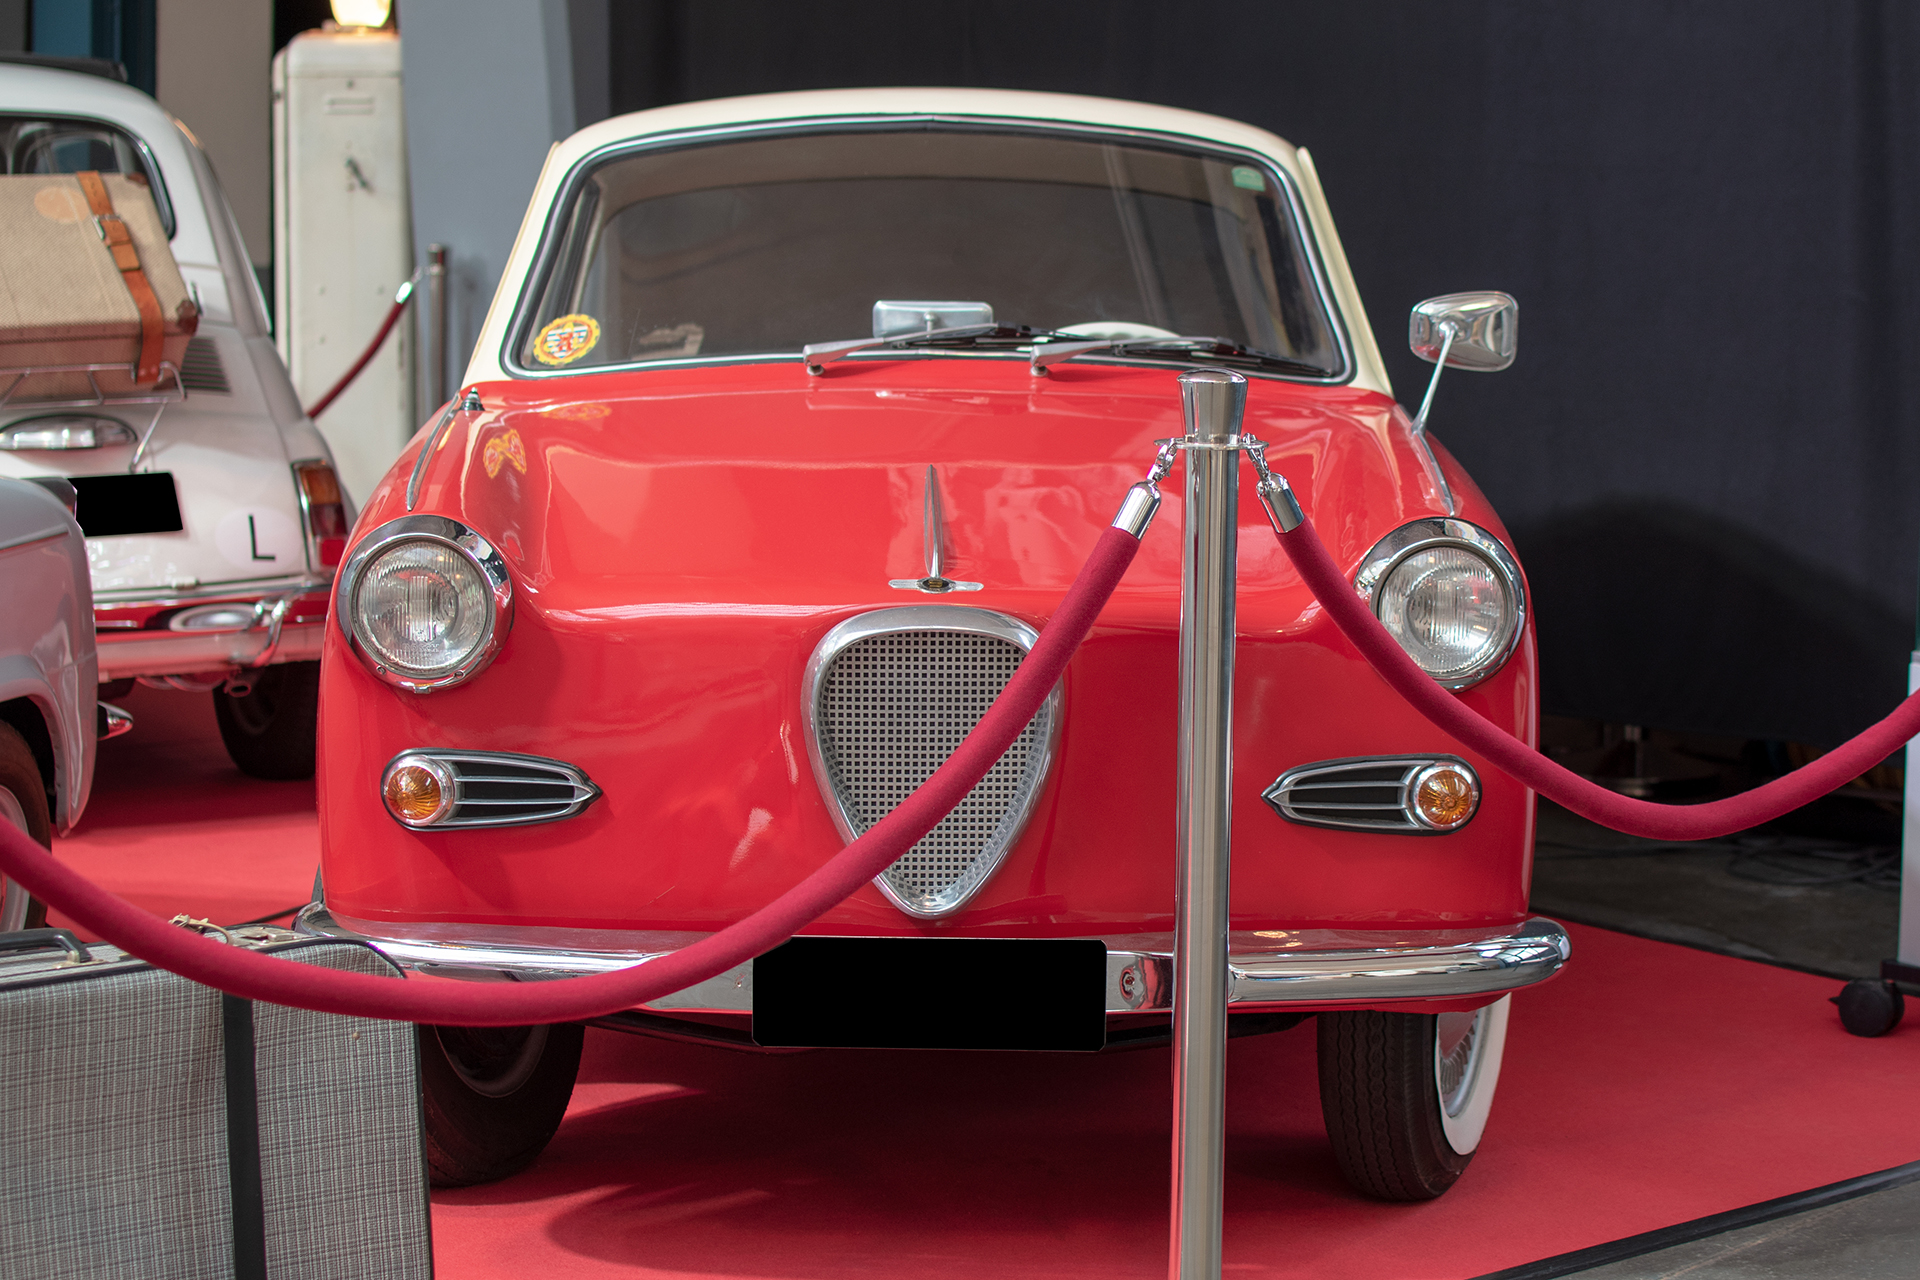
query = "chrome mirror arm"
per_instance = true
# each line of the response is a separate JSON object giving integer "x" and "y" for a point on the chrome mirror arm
{"x": 1449, "y": 330}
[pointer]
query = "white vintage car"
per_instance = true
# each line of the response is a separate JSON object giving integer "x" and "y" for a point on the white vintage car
{"x": 48, "y": 718}
{"x": 212, "y": 512}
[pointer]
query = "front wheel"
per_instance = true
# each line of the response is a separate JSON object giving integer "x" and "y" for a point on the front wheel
{"x": 1406, "y": 1095}
{"x": 23, "y": 803}
{"x": 492, "y": 1097}
{"x": 269, "y": 730}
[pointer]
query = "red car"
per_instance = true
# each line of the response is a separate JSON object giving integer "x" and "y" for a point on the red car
{"x": 793, "y": 418}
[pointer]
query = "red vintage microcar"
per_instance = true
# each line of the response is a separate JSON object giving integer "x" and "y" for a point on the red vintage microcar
{"x": 793, "y": 418}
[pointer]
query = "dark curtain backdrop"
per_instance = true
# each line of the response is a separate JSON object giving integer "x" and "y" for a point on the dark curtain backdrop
{"x": 1708, "y": 452}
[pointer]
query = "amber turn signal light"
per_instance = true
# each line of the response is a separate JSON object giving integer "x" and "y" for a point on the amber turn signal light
{"x": 418, "y": 794}
{"x": 1445, "y": 796}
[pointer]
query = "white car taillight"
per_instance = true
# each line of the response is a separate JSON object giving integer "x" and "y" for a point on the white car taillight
{"x": 325, "y": 508}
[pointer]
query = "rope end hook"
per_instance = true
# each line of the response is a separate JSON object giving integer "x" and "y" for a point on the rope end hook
{"x": 1276, "y": 495}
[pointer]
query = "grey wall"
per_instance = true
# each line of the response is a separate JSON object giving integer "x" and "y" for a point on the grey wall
{"x": 212, "y": 61}
{"x": 13, "y": 26}
{"x": 490, "y": 86}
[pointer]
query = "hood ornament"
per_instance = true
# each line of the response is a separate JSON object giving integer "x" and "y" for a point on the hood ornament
{"x": 933, "y": 531}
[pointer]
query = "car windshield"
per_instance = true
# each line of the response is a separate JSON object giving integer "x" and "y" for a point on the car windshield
{"x": 64, "y": 144}
{"x": 764, "y": 245}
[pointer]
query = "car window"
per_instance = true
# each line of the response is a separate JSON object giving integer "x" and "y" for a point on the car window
{"x": 65, "y": 144}
{"x": 763, "y": 245}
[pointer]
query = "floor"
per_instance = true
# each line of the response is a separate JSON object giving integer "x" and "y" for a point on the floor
{"x": 1747, "y": 896}
{"x": 1649, "y": 1086}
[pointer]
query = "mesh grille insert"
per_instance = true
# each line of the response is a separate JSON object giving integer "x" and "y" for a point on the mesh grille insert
{"x": 891, "y": 709}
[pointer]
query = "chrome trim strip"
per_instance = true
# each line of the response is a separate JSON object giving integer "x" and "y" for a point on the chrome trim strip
{"x": 1265, "y": 968}
{"x": 414, "y": 480}
{"x": 1418, "y": 535}
{"x": 577, "y": 790}
{"x": 533, "y": 285}
{"x": 478, "y": 552}
{"x": 26, "y": 540}
{"x": 1284, "y": 798}
{"x": 933, "y": 536}
{"x": 925, "y": 617}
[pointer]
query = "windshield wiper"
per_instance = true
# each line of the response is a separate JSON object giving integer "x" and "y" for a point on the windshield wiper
{"x": 1046, "y": 354}
{"x": 1051, "y": 347}
{"x": 818, "y": 355}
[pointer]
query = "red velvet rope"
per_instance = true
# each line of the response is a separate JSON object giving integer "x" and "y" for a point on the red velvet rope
{"x": 366, "y": 357}
{"x": 255, "y": 976}
{"x": 1588, "y": 799}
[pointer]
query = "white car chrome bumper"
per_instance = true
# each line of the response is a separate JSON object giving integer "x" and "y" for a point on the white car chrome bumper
{"x": 186, "y": 653}
{"x": 1272, "y": 968}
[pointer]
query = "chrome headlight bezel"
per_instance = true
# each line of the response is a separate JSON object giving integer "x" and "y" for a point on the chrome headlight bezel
{"x": 478, "y": 553}
{"x": 1419, "y": 535}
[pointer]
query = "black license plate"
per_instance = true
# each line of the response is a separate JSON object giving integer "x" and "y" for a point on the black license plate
{"x": 932, "y": 993}
{"x": 114, "y": 506}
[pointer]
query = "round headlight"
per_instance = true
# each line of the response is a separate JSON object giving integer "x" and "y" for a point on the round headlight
{"x": 1450, "y": 593}
{"x": 426, "y": 602}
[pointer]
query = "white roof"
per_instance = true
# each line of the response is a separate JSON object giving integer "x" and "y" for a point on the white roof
{"x": 190, "y": 186}
{"x": 26, "y": 90}
{"x": 768, "y": 108}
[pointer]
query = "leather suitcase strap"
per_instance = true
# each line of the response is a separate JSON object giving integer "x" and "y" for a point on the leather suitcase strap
{"x": 113, "y": 230}
{"x": 243, "y": 1140}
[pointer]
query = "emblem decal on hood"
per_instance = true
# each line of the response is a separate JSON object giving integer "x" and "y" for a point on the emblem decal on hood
{"x": 933, "y": 530}
{"x": 504, "y": 449}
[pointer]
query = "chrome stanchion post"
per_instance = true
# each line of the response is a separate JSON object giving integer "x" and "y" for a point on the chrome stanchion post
{"x": 1214, "y": 401}
{"x": 437, "y": 322}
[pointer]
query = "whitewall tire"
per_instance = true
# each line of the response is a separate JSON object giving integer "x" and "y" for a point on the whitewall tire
{"x": 1405, "y": 1096}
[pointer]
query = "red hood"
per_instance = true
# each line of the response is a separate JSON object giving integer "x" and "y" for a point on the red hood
{"x": 619, "y": 495}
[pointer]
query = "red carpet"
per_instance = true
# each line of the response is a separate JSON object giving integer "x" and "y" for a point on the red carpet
{"x": 1650, "y": 1085}
{"x": 173, "y": 826}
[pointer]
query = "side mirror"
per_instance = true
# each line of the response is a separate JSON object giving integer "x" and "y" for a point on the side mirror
{"x": 1464, "y": 331}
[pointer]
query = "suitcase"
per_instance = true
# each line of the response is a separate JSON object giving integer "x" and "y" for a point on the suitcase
{"x": 159, "y": 1129}
{"x": 87, "y": 278}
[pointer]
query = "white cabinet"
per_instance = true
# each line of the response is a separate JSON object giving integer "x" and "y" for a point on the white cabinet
{"x": 343, "y": 241}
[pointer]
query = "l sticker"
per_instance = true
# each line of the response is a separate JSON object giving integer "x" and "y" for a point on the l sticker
{"x": 259, "y": 537}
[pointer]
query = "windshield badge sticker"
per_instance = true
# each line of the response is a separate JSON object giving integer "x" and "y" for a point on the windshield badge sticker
{"x": 566, "y": 339}
{"x": 502, "y": 449}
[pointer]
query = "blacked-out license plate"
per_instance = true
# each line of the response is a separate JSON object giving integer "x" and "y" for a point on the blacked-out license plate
{"x": 116, "y": 505}
{"x": 932, "y": 993}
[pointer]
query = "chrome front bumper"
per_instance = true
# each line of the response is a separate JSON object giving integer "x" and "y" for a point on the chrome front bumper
{"x": 1307, "y": 967}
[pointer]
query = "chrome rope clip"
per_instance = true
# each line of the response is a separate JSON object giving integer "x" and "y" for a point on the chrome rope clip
{"x": 1276, "y": 495}
{"x": 1164, "y": 454}
{"x": 1143, "y": 498}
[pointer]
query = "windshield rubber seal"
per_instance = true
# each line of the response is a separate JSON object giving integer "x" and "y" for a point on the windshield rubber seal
{"x": 557, "y": 214}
